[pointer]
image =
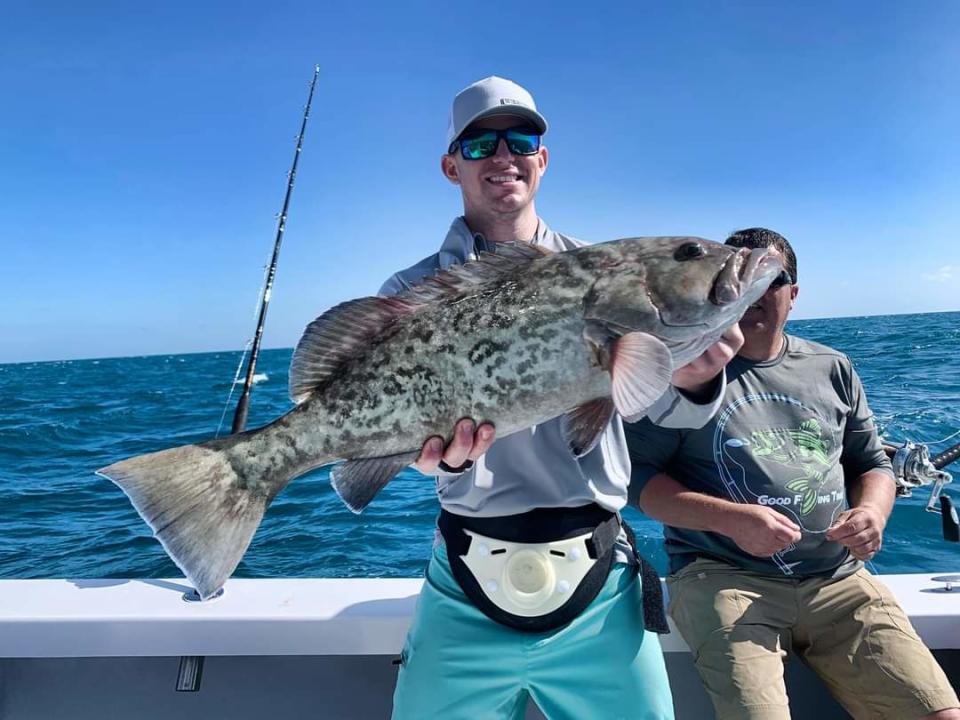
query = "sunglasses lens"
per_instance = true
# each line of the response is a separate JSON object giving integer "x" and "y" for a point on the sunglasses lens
{"x": 782, "y": 279}
{"x": 479, "y": 146}
{"x": 522, "y": 143}
{"x": 483, "y": 144}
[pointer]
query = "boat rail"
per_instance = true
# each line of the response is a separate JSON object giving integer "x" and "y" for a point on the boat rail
{"x": 299, "y": 616}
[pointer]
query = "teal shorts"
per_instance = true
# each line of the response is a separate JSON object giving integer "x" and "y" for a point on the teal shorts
{"x": 458, "y": 663}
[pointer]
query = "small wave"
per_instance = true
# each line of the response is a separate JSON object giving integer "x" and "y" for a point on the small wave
{"x": 257, "y": 378}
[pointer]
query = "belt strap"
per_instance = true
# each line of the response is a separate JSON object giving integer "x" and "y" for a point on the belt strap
{"x": 604, "y": 537}
{"x": 654, "y": 618}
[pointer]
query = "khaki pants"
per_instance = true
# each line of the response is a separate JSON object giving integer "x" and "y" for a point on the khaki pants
{"x": 851, "y": 632}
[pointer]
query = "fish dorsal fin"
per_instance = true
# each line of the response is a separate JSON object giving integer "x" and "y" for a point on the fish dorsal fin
{"x": 641, "y": 368}
{"x": 458, "y": 280}
{"x": 333, "y": 337}
{"x": 339, "y": 333}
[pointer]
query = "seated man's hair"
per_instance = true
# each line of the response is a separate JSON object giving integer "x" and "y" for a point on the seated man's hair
{"x": 760, "y": 238}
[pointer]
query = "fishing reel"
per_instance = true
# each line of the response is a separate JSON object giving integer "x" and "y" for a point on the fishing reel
{"x": 913, "y": 468}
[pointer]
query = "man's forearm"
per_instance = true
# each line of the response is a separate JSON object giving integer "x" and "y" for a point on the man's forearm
{"x": 672, "y": 503}
{"x": 875, "y": 489}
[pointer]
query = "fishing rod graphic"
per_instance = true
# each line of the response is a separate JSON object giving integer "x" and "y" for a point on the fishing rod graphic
{"x": 243, "y": 405}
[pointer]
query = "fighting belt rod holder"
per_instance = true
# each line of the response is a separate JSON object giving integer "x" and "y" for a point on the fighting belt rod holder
{"x": 537, "y": 571}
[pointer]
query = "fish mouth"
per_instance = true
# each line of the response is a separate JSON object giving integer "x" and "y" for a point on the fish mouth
{"x": 744, "y": 272}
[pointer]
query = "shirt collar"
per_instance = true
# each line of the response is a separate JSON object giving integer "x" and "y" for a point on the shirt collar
{"x": 481, "y": 244}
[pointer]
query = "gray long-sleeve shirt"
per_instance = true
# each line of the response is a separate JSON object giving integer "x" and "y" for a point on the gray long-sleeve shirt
{"x": 535, "y": 468}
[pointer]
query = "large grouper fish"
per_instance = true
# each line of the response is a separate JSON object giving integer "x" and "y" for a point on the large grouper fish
{"x": 514, "y": 338}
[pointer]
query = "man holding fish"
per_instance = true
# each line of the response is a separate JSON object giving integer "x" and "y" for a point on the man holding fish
{"x": 488, "y": 633}
{"x": 534, "y": 589}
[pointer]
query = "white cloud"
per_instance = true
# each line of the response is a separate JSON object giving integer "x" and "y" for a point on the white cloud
{"x": 942, "y": 274}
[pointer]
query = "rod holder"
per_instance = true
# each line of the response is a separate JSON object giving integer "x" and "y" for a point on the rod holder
{"x": 949, "y": 519}
{"x": 950, "y": 582}
{"x": 190, "y": 673}
{"x": 194, "y": 597}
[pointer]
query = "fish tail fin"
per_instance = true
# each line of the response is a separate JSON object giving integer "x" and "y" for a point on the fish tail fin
{"x": 201, "y": 506}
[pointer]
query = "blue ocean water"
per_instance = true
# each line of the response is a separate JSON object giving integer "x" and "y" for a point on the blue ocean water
{"x": 59, "y": 421}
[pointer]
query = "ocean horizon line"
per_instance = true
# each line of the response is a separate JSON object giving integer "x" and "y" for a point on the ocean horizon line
{"x": 4, "y": 363}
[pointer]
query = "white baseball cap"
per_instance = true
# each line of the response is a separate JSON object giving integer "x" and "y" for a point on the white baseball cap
{"x": 488, "y": 97}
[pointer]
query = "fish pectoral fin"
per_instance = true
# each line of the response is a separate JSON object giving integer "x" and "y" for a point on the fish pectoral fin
{"x": 641, "y": 368}
{"x": 357, "y": 482}
{"x": 583, "y": 425}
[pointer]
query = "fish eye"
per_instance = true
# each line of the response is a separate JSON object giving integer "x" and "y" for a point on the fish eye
{"x": 688, "y": 251}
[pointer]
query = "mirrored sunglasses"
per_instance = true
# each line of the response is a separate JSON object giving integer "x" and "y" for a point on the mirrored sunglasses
{"x": 480, "y": 144}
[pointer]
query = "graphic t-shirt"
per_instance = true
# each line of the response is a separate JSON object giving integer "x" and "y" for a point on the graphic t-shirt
{"x": 789, "y": 433}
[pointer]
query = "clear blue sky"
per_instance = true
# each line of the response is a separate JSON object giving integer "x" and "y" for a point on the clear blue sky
{"x": 144, "y": 148}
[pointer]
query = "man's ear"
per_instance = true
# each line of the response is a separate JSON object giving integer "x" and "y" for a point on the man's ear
{"x": 448, "y": 166}
{"x": 544, "y": 158}
{"x": 794, "y": 290}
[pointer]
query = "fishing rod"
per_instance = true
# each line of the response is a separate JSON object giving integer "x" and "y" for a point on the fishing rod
{"x": 946, "y": 457}
{"x": 191, "y": 666}
{"x": 243, "y": 405}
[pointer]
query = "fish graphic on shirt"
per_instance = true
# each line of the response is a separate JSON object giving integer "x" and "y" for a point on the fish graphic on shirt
{"x": 802, "y": 449}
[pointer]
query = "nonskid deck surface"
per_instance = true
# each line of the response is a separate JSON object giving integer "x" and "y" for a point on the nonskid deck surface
{"x": 111, "y": 648}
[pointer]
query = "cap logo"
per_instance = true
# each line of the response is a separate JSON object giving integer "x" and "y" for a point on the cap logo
{"x": 510, "y": 101}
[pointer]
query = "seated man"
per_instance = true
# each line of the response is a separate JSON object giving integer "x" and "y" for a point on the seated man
{"x": 770, "y": 511}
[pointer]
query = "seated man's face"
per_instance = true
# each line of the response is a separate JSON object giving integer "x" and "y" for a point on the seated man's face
{"x": 501, "y": 183}
{"x": 767, "y": 316}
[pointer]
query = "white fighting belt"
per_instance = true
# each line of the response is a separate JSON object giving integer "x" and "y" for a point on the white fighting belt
{"x": 528, "y": 579}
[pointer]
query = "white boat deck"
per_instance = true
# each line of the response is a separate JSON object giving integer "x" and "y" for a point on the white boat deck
{"x": 83, "y": 649}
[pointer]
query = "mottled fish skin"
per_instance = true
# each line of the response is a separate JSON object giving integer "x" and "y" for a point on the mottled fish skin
{"x": 515, "y": 342}
{"x": 511, "y": 353}
{"x": 506, "y": 354}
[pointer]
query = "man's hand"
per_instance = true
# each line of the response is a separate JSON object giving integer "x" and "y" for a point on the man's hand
{"x": 761, "y": 531}
{"x": 695, "y": 376}
{"x": 468, "y": 443}
{"x": 860, "y": 530}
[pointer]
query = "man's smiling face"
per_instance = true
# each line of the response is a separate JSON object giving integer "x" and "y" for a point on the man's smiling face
{"x": 503, "y": 183}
